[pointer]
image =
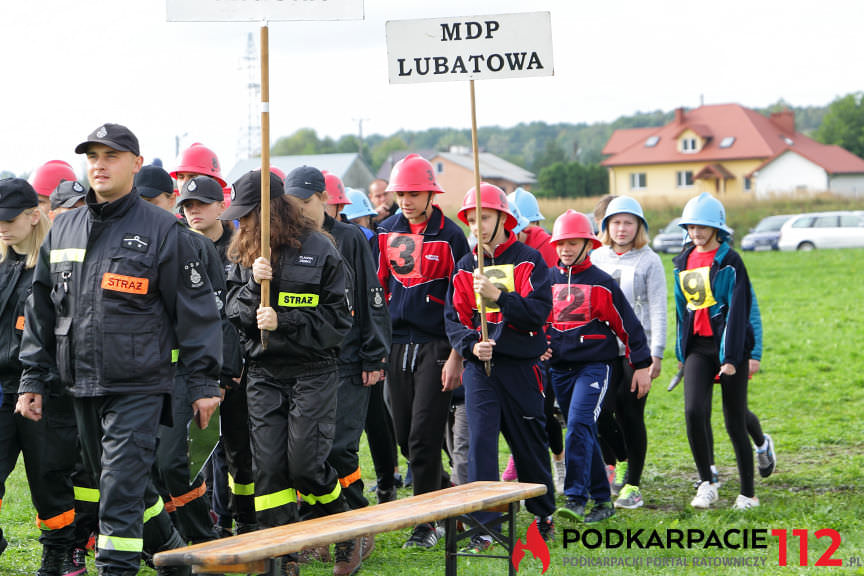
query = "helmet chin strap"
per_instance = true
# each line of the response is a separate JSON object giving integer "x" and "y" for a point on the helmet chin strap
{"x": 581, "y": 255}
{"x": 426, "y": 208}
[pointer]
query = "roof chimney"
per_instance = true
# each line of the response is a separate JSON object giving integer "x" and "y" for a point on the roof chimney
{"x": 785, "y": 120}
{"x": 679, "y": 115}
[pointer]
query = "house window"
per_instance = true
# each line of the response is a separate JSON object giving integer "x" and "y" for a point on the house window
{"x": 684, "y": 178}
{"x": 748, "y": 183}
{"x": 652, "y": 141}
{"x": 688, "y": 145}
{"x": 727, "y": 142}
{"x": 638, "y": 181}
{"x": 439, "y": 167}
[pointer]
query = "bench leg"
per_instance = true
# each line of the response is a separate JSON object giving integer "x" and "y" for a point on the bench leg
{"x": 275, "y": 567}
{"x": 511, "y": 534}
{"x": 451, "y": 550}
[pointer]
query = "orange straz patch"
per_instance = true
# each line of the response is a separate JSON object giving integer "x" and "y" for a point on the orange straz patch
{"x": 128, "y": 284}
{"x": 19, "y": 323}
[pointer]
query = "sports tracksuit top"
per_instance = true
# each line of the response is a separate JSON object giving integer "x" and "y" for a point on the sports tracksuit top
{"x": 725, "y": 290}
{"x": 517, "y": 319}
{"x": 415, "y": 272}
{"x": 117, "y": 290}
{"x": 588, "y": 312}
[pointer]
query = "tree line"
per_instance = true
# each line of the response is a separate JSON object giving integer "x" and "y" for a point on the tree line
{"x": 566, "y": 157}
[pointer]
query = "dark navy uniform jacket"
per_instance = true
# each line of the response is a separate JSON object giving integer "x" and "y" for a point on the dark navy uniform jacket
{"x": 119, "y": 294}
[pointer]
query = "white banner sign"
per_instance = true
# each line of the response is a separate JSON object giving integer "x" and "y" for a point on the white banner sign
{"x": 259, "y": 10}
{"x": 469, "y": 48}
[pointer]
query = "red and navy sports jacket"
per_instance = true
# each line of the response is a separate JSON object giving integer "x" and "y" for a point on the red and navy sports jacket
{"x": 415, "y": 272}
{"x": 537, "y": 238}
{"x": 517, "y": 325}
{"x": 588, "y": 312}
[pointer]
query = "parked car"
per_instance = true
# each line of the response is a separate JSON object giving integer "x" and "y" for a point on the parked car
{"x": 822, "y": 230}
{"x": 766, "y": 234}
{"x": 671, "y": 238}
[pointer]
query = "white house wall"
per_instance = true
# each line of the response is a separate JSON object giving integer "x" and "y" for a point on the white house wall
{"x": 851, "y": 185}
{"x": 790, "y": 174}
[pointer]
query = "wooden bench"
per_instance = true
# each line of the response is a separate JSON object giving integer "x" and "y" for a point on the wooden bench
{"x": 259, "y": 552}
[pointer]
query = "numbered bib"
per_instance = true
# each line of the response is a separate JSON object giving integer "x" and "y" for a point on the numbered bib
{"x": 404, "y": 254}
{"x": 571, "y": 303}
{"x": 502, "y": 278}
{"x": 696, "y": 286}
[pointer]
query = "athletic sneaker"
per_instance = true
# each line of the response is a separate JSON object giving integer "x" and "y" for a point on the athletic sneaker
{"x": 509, "y": 474}
{"x": 620, "y": 478}
{"x": 572, "y": 510}
{"x": 600, "y": 512}
{"x": 706, "y": 495}
{"x": 715, "y": 478}
{"x": 630, "y": 498}
{"x": 745, "y": 503}
{"x": 546, "y": 527}
{"x": 765, "y": 456}
{"x": 559, "y": 472}
{"x": 478, "y": 545}
{"x": 424, "y": 536}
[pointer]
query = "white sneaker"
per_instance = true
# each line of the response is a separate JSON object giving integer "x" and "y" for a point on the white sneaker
{"x": 559, "y": 471}
{"x": 706, "y": 495}
{"x": 745, "y": 503}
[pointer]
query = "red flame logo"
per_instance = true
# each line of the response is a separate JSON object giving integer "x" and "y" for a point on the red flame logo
{"x": 533, "y": 543}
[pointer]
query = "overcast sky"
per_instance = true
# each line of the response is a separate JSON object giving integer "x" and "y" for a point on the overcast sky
{"x": 69, "y": 65}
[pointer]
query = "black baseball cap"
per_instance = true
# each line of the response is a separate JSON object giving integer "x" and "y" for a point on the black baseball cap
{"x": 202, "y": 188}
{"x": 304, "y": 181}
{"x": 16, "y": 195}
{"x": 112, "y": 135}
{"x": 67, "y": 194}
{"x": 246, "y": 194}
{"x": 151, "y": 181}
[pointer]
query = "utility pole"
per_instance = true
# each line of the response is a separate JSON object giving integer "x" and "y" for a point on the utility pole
{"x": 360, "y": 134}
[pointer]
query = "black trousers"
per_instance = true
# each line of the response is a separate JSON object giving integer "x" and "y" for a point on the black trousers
{"x": 49, "y": 453}
{"x": 186, "y": 501}
{"x": 381, "y": 437}
{"x": 420, "y": 408}
{"x": 293, "y": 425}
{"x": 351, "y": 408}
{"x": 700, "y": 366}
{"x": 234, "y": 436}
{"x": 118, "y": 441}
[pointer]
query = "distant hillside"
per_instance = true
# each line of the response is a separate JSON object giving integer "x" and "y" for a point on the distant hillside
{"x": 538, "y": 144}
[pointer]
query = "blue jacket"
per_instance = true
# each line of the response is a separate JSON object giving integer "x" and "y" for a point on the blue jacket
{"x": 415, "y": 272}
{"x": 731, "y": 312}
{"x": 517, "y": 323}
{"x": 589, "y": 311}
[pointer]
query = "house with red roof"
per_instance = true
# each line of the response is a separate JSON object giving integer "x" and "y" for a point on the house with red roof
{"x": 727, "y": 149}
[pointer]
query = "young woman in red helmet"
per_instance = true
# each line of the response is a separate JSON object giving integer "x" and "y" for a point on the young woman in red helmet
{"x": 515, "y": 287}
{"x": 589, "y": 315}
{"x": 417, "y": 253}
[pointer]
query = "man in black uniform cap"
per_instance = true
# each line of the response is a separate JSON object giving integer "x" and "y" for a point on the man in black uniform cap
{"x": 118, "y": 293}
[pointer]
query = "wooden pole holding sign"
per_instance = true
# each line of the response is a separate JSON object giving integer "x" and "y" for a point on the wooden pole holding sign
{"x": 265, "y": 168}
{"x": 478, "y": 211}
{"x": 263, "y": 10}
{"x": 469, "y": 48}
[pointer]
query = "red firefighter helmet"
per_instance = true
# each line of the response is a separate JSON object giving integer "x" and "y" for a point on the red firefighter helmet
{"x": 278, "y": 172}
{"x": 335, "y": 189}
{"x": 413, "y": 174}
{"x": 199, "y": 159}
{"x": 49, "y": 175}
{"x": 573, "y": 224}
{"x": 491, "y": 196}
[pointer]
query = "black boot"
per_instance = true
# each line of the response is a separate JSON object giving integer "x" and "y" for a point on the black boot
{"x": 57, "y": 561}
{"x": 174, "y": 541}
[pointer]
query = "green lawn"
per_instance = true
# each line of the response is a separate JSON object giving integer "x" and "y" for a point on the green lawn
{"x": 809, "y": 396}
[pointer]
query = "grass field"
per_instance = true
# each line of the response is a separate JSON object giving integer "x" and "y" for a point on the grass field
{"x": 809, "y": 396}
